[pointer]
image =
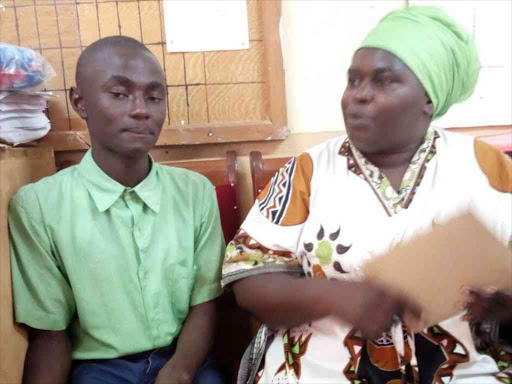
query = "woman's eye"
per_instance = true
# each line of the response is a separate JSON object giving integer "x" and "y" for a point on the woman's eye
{"x": 353, "y": 81}
{"x": 384, "y": 81}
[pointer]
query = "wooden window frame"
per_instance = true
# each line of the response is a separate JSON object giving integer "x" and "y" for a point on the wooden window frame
{"x": 272, "y": 128}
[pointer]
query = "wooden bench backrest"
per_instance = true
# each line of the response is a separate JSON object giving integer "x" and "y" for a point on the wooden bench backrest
{"x": 262, "y": 171}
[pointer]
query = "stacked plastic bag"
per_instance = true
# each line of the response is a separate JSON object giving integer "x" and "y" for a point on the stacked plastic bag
{"x": 23, "y": 73}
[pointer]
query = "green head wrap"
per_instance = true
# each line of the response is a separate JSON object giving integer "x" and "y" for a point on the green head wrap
{"x": 439, "y": 52}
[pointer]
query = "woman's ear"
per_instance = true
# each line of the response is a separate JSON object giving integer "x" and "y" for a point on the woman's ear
{"x": 77, "y": 102}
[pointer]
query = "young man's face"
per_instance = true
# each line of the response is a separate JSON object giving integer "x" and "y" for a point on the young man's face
{"x": 123, "y": 99}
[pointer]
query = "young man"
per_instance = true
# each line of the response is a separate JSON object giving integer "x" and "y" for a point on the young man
{"x": 116, "y": 261}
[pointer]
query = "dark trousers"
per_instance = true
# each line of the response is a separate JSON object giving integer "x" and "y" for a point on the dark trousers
{"x": 141, "y": 368}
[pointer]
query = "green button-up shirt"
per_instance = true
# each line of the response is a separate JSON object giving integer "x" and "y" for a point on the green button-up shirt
{"x": 119, "y": 266}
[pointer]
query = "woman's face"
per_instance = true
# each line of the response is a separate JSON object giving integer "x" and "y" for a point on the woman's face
{"x": 384, "y": 105}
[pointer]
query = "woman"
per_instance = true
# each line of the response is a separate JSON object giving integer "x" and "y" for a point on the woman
{"x": 335, "y": 206}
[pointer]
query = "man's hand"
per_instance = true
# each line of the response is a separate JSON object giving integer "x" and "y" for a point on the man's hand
{"x": 488, "y": 304}
{"x": 171, "y": 373}
{"x": 194, "y": 342}
{"x": 48, "y": 359}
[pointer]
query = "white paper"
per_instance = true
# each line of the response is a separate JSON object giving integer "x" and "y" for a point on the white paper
{"x": 34, "y": 122}
{"x": 19, "y": 136}
{"x": 18, "y": 112}
{"x": 206, "y": 25}
{"x": 27, "y": 98}
{"x": 21, "y": 106}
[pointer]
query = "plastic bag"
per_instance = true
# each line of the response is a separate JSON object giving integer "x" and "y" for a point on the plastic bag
{"x": 22, "y": 69}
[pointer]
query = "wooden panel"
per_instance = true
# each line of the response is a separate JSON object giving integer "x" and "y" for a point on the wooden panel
{"x": 88, "y": 19}
{"x": 68, "y": 25}
{"x": 150, "y": 20}
{"x": 23, "y": 2}
{"x": 236, "y": 102}
{"x": 47, "y": 24}
{"x": 26, "y": 22}
{"x": 177, "y": 105}
{"x": 215, "y": 170}
{"x": 55, "y": 59}
{"x": 254, "y": 17}
{"x": 8, "y": 33}
{"x": 70, "y": 56}
{"x": 17, "y": 168}
{"x": 107, "y": 15}
{"x": 59, "y": 112}
{"x": 219, "y": 96}
{"x": 194, "y": 64}
{"x": 129, "y": 19}
{"x": 236, "y": 66}
{"x": 175, "y": 68}
{"x": 197, "y": 104}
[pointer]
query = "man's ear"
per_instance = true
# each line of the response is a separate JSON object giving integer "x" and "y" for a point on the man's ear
{"x": 77, "y": 102}
{"x": 429, "y": 107}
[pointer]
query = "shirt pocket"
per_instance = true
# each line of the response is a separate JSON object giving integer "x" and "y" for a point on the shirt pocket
{"x": 183, "y": 279}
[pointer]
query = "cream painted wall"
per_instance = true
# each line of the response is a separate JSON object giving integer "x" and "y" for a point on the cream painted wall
{"x": 319, "y": 38}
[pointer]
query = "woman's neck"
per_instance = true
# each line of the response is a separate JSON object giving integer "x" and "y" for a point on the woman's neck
{"x": 394, "y": 164}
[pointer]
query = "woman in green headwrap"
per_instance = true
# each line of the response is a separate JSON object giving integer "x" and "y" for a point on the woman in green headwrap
{"x": 334, "y": 207}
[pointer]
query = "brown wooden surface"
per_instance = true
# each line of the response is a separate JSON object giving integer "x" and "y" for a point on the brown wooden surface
{"x": 218, "y": 171}
{"x": 18, "y": 167}
{"x": 228, "y": 90}
{"x": 262, "y": 170}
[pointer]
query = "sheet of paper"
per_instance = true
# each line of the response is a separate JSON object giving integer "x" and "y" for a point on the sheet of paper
{"x": 17, "y": 136}
{"x": 432, "y": 268}
{"x": 206, "y": 25}
{"x": 17, "y": 112}
{"x": 18, "y": 106}
{"x": 34, "y": 122}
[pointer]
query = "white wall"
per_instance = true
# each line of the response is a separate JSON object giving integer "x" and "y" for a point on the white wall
{"x": 319, "y": 38}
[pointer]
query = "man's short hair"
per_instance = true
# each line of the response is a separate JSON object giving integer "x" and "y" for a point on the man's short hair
{"x": 111, "y": 42}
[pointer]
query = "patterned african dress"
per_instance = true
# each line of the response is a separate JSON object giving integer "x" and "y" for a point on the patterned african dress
{"x": 326, "y": 213}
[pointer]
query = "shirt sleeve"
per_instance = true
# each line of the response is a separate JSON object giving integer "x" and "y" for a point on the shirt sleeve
{"x": 268, "y": 238}
{"x": 43, "y": 298}
{"x": 209, "y": 250}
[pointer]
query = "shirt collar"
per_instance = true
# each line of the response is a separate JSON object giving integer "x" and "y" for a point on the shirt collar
{"x": 105, "y": 191}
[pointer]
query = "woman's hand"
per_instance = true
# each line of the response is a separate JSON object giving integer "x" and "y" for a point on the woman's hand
{"x": 374, "y": 309}
{"x": 488, "y": 304}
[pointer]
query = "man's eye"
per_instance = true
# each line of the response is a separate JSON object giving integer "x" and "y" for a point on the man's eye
{"x": 117, "y": 95}
{"x": 155, "y": 99}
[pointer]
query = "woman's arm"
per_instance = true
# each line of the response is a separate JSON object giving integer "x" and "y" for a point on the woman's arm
{"x": 282, "y": 301}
